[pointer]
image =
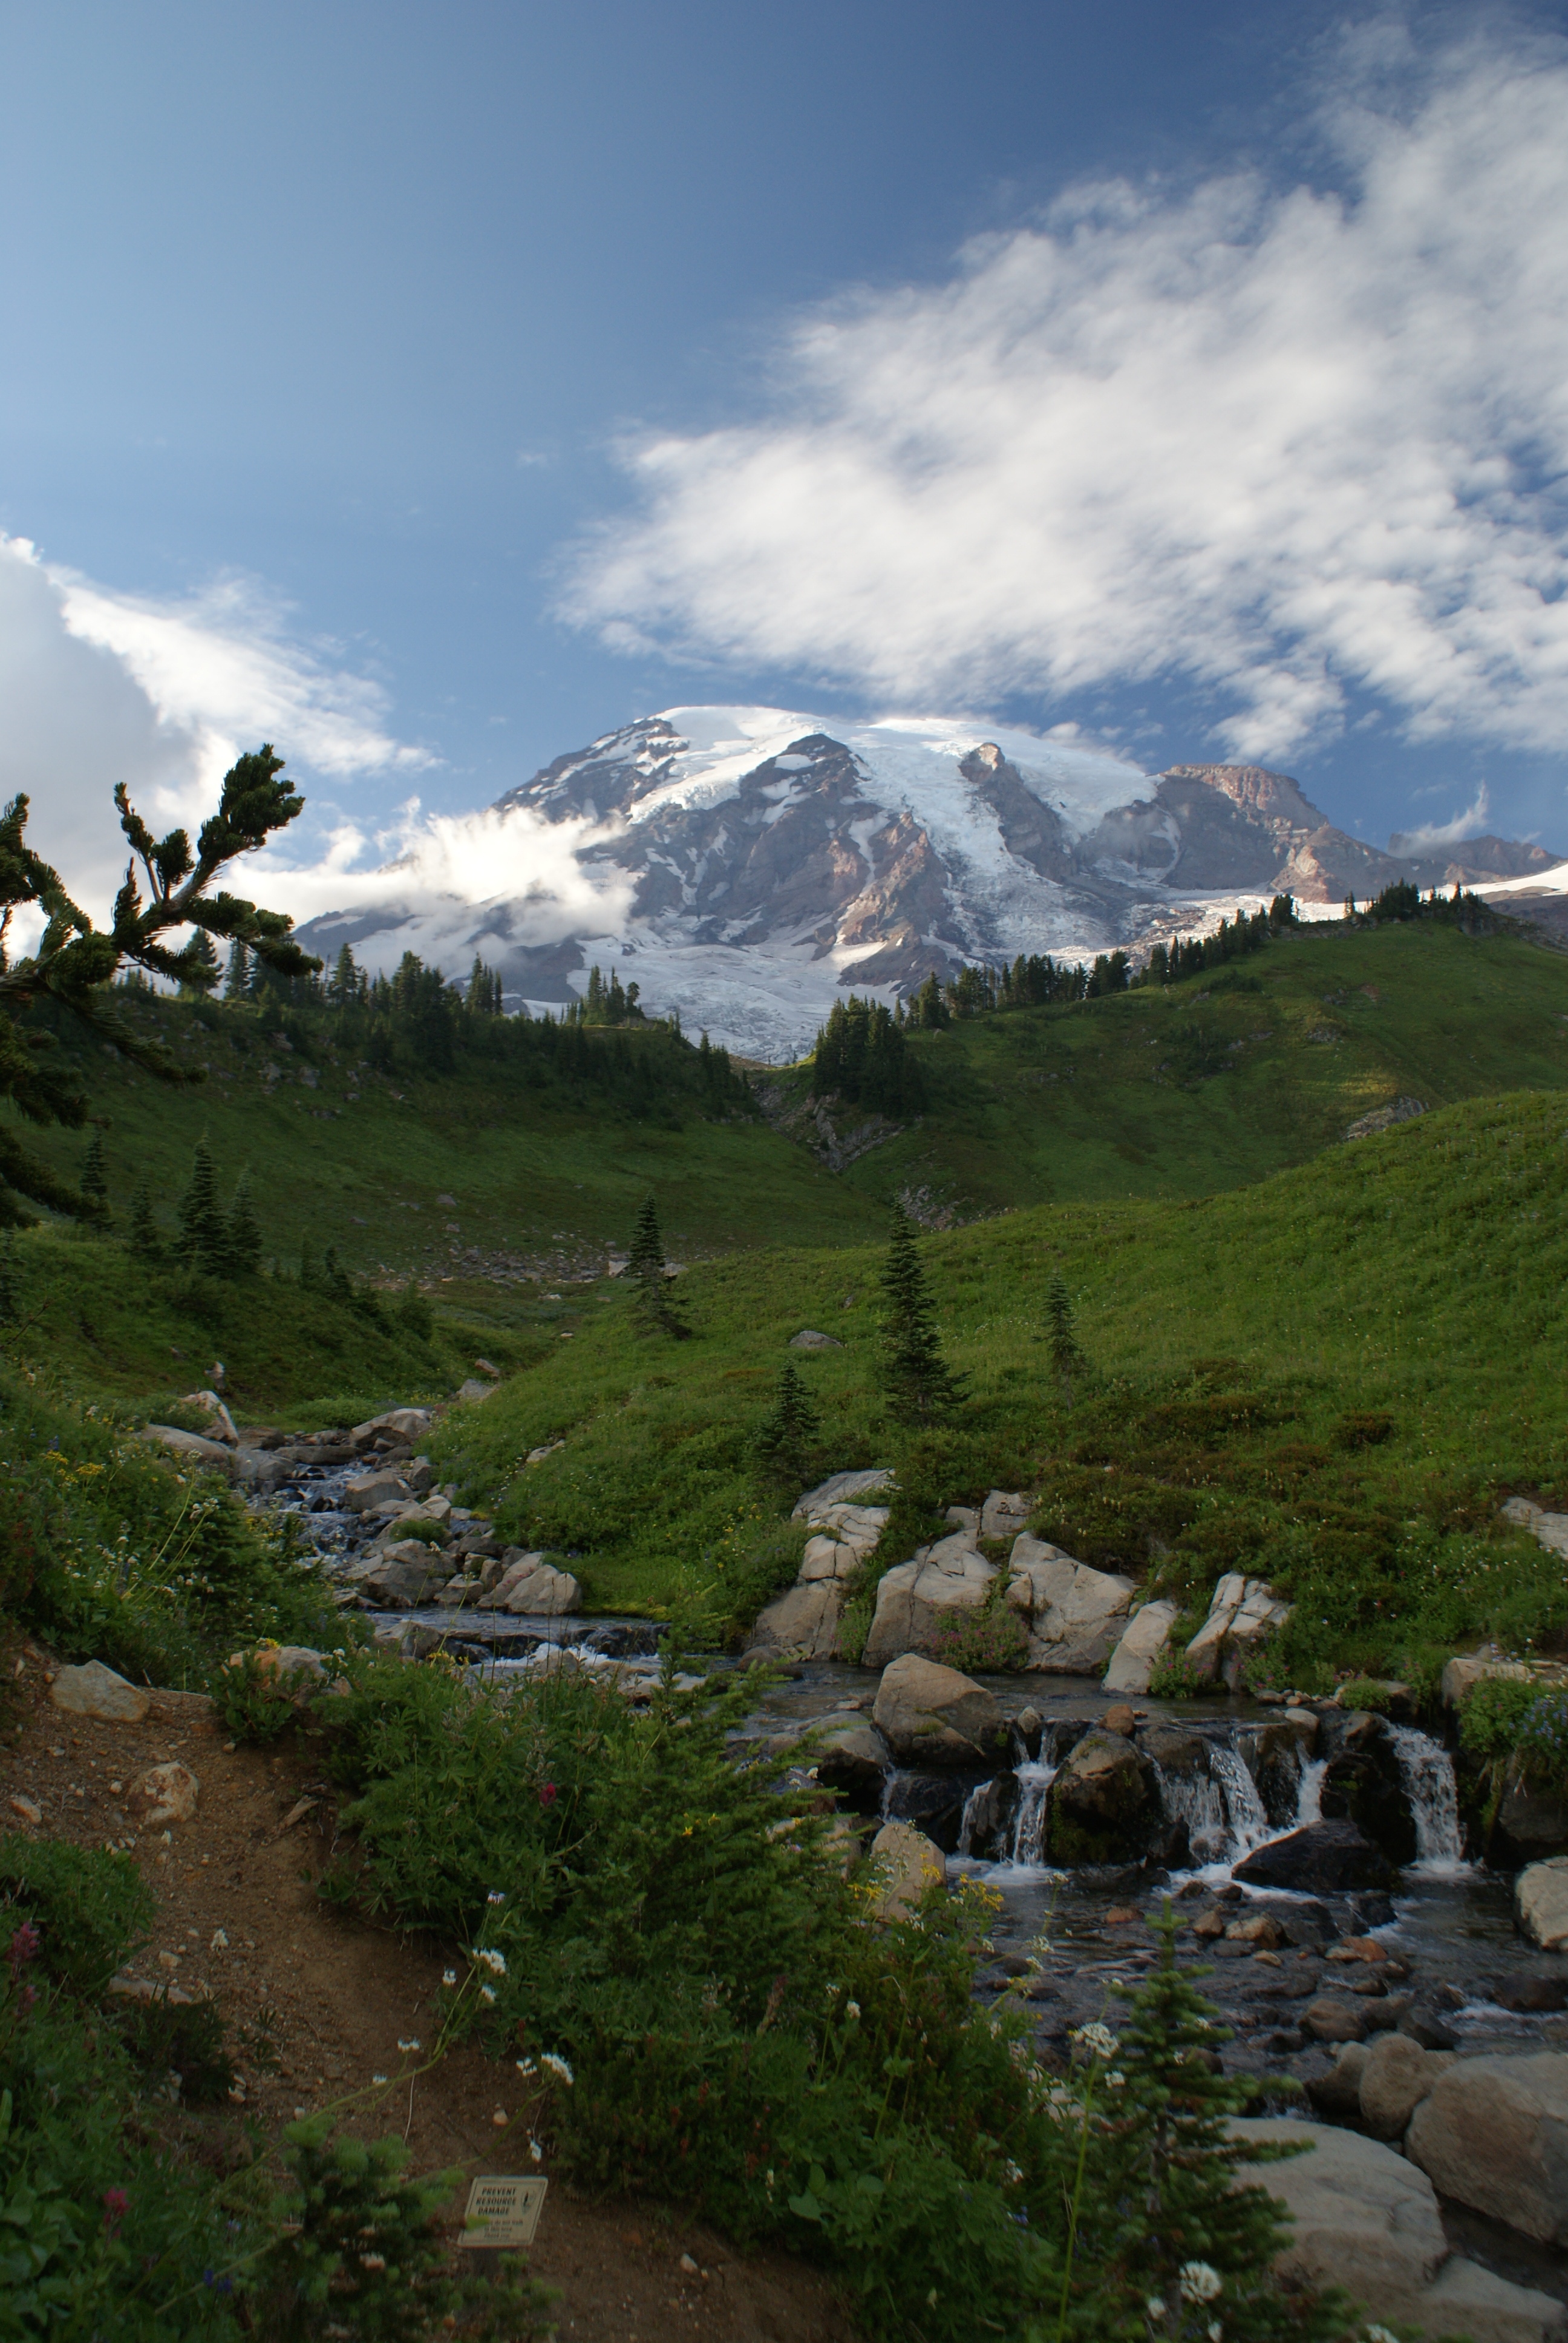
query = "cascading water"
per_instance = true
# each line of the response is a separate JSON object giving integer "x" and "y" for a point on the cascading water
{"x": 1426, "y": 1773}
{"x": 1245, "y": 1817}
{"x": 1027, "y": 1850}
{"x": 1196, "y": 1800}
{"x": 1309, "y": 1791}
{"x": 972, "y": 1804}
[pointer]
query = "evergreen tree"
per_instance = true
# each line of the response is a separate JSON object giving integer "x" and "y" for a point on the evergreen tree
{"x": 653, "y": 1305}
{"x": 1067, "y": 1359}
{"x": 202, "y": 1237}
{"x": 1164, "y": 2221}
{"x": 143, "y": 1228}
{"x": 94, "y": 1186}
{"x": 199, "y": 975}
{"x": 786, "y": 1438}
{"x": 916, "y": 1378}
{"x": 414, "y": 1313}
{"x": 237, "y": 984}
{"x": 242, "y": 1234}
{"x": 345, "y": 986}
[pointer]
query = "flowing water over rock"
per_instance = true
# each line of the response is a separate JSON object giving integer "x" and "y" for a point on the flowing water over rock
{"x": 1429, "y": 1785}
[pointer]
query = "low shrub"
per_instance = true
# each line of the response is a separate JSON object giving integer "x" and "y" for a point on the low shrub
{"x": 254, "y": 1701}
{"x": 1175, "y": 1677}
{"x": 988, "y": 1641}
{"x": 91, "y": 1909}
{"x": 178, "y": 2046}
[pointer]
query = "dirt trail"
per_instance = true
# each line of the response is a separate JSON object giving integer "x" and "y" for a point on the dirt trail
{"x": 336, "y": 1998}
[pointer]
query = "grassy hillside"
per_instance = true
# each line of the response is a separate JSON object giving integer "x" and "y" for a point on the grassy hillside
{"x": 1328, "y": 1376}
{"x": 1228, "y": 1077}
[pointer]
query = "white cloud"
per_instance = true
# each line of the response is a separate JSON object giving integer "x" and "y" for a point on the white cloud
{"x": 1433, "y": 834}
{"x": 1287, "y": 445}
{"x": 99, "y": 687}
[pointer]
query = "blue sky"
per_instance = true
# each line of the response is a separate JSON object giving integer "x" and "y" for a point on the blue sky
{"x": 436, "y": 388}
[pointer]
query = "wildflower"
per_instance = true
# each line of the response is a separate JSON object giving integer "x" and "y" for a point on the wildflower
{"x": 1199, "y": 2282}
{"x": 1097, "y": 2039}
{"x": 407, "y": 2046}
{"x": 1012, "y": 2172}
{"x": 1155, "y": 2306}
{"x": 547, "y": 1794}
{"x": 487, "y": 1993}
{"x": 536, "y": 2152}
{"x": 378, "y": 2078}
{"x": 1116, "y": 2081}
{"x": 448, "y": 1978}
{"x": 1216, "y": 2332}
{"x": 372, "y": 2261}
{"x": 23, "y": 1949}
{"x": 525, "y": 2066}
{"x": 495, "y": 1895}
{"x": 557, "y": 2065}
{"x": 494, "y": 1961}
{"x": 852, "y": 2010}
{"x": 117, "y": 2205}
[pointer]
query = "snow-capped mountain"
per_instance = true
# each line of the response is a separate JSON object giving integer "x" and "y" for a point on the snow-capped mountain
{"x": 742, "y": 863}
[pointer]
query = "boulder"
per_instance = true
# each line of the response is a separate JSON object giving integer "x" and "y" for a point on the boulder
{"x": 809, "y": 1339}
{"x": 220, "y": 1422}
{"x": 1142, "y": 1648}
{"x": 801, "y": 1624}
{"x": 541, "y": 1592}
{"x": 288, "y": 1662}
{"x": 933, "y": 1715}
{"x": 851, "y": 1759}
{"x": 1334, "y": 2017}
{"x": 1493, "y": 2132}
{"x": 402, "y": 1577}
{"x": 459, "y": 1592}
{"x": 1004, "y": 1514}
{"x": 1366, "y": 2221}
{"x": 189, "y": 1446}
{"x": 1532, "y": 1825}
{"x": 843, "y": 1489}
{"x": 1339, "y": 2091}
{"x": 402, "y": 1423}
{"x": 1396, "y": 2075}
{"x": 472, "y": 1390}
{"x": 1320, "y": 1859}
{"x": 368, "y": 1491}
{"x": 1466, "y": 1670}
{"x": 1075, "y": 1615}
{"x": 1242, "y": 1614}
{"x": 907, "y": 1864}
{"x": 1102, "y": 1803}
{"x": 915, "y": 1599}
{"x": 1540, "y": 1903}
{"x": 825, "y": 1557}
{"x": 165, "y": 1795}
{"x": 97, "y": 1691}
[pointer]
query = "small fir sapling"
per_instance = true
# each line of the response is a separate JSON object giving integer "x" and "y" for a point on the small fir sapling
{"x": 654, "y": 1306}
{"x": 145, "y": 1237}
{"x": 788, "y": 1435}
{"x": 1067, "y": 1359}
{"x": 94, "y": 1182}
{"x": 242, "y": 1233}
{"x": 916, "y": 1378}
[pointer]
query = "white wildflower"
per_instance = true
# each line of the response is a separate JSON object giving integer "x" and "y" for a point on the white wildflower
{"x": 1216, "y": 2332}
{"x": 495, "y": 1896}
{"x": 372, "y": 2261}
{"x": 852, "y": 2010}
{"x": 1012, "y": 2174}
{"x": 535, "y": 2151}
{"x": 378, "y": 2078}
{"x": 525, "y": 2066}
{"x": 494, "y": 1961}
{"x": 1116, "y": 2080}
{"x": 449, "y": 1977}
{"x": 410, "y": 2044}
{"x": 1098, "y": 2039}
{"x": 557, "y": 2065}
{"x": 1199, "y": 2282}
{"x": 1155, "y": 2306}
{"x": 487, "y": 1993}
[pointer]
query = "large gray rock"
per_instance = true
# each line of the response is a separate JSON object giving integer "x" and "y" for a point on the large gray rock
{"x": 801, "y": 1624}
{"x": 907, "y": 1864}
{"x": 94, "y": 1690}
{"x": 1540, "y": 1903}
{"x": 402, "y": 1423}
{"x": 1103, "y": 1802}
{"x": 1493, "y": 2132}
{"x": 1319, "y": 1859}
{"x": 1396, "y": 2075}
{"x": 1467, "y": 1669}
{"x": 537, "y": 1590}
{"x": 933, "y": 1715}
{"x": 916, "y": 1599}
{"x": 1075, "y": 1615}
{"x": 368, "y": 1493}
{"x": 189, "y": 1446}
{"x": 220, "y": 1423}
{"x": 1243, "y": 1613}
{"x": 1142, "y": 1648}
{"x": 1005, "y": 1514}
{"x": 843, "y": 1489}
{"x": 1368, "y": 2221}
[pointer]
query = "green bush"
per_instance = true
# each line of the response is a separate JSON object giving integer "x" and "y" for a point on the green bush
{"x": 1492, "y": 1713}
{"x": 988, "y": 1641}
{"x": 91, "y": 1910}
{"x": 178, "y": 2046}
{"x": 1372, "y": 1694}
{"x": 254, "y": 1701}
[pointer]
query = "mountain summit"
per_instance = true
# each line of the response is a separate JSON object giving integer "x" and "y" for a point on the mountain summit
{"x": 750, "y": 860}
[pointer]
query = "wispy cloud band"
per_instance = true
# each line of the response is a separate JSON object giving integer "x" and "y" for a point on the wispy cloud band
{"x": 1287, "y": 445}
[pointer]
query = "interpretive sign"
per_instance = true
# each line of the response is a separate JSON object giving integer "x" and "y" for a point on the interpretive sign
{"x": 503, "y": 2211}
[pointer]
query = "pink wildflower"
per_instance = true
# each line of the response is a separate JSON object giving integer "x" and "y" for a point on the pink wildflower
{"x": 117, "y": 2205}
{"x": 547, "y": 1794}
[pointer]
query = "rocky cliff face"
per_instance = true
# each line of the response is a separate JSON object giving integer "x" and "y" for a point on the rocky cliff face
{"x": 767, "y": 857}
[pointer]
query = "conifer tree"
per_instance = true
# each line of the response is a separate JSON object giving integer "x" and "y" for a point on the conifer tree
{"x": 242, "y": 1233}
{"x": 1067, "y": 1359}
{"x": 144, "y": 1229}
{"x": 654, "y": 1306}
{"x": 1167, "y": 2222}
{"x": 786, "y": 1437}
{"x": 202, "y": 1237}
{"x": 916, "y": 1378}
{"x": 94, "y": 1185}
{"x": 237, "y": 984}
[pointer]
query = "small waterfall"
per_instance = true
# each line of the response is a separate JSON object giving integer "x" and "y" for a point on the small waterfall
{"x": 1426, "y": 1771}
{"x": 1195, "y": 1799}
{"x": 1027, "y": 1850}
{"x": 890, "y": 1780}
{"x": 1309, "y": 1791}
{"x": 972, "y": 1804}
{"x": 1247, "y": 1823}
